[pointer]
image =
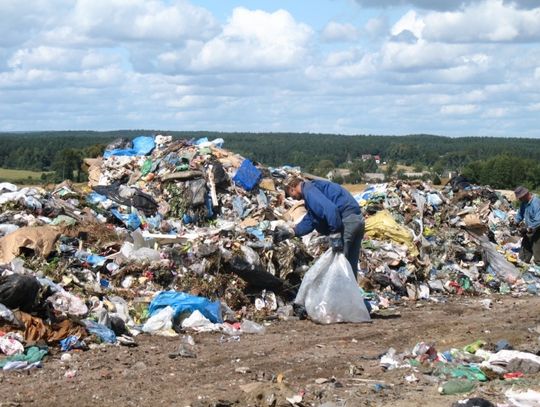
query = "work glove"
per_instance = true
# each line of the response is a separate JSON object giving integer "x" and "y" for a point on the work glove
{"x": 281, "y": 234}
{"x": 336, "y": 242}
{"x": 523, "y": 231}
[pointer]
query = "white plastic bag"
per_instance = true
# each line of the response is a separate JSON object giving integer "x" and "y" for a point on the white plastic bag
{"x": 65, "y": 302}
{"x": 330, "y": 293}
{"x": 160, "y": 321}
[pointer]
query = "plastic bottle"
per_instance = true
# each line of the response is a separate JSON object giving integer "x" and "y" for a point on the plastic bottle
{"x": 250, "y": 327}
{"x": 456, "y": 387}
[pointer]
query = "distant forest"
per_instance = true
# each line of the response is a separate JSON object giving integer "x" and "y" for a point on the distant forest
{"x": 499, "y": 162}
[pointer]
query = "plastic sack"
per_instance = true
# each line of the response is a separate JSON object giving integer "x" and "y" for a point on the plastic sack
{"x": 67, "y": 303}
{"x": 6, "y": 314}
{"x": 383, "y": 226}
{"x": 519, "y": 398}
{"x": 101, "y": 331}
{"x": 131, "y": 220}
{"x": 19, "y": 291}
{"x": 142, "y": 145}
{"x": 198, "y": 322}
{"x": 7, "y": 186}
{"x": 502, "y": 267}
{"x": 160, "y": 321}
{"x": 247, "y": 176}
{"x": 10, "y": 346}
{"x": 141, "y": 254}
{"x": 329, "y": 291}
{"x": 182, "y": 302}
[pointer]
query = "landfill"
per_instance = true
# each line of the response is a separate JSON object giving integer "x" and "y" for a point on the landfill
{"x": 175, "y": 236}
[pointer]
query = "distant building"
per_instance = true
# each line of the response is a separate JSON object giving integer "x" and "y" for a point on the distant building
{"x": 415, "y": 175}
{"x": 373, "y": 177}
{"x": 366, "y": 157}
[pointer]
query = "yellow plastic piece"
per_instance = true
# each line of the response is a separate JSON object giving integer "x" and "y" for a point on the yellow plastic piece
{"x": 382, "y": 226}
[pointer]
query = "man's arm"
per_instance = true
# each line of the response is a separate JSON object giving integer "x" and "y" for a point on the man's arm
{"x": 305, "y": 226}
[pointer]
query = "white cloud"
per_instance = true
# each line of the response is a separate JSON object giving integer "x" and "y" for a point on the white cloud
{"x": 495, "y": 112}
{"x": 409, "y": 22}
{"x": 63, "y": 59}
{"x": 256, "y": 40}
{"x": 440, "y": 4}
{"x": 489, "y": 21}
{"x": 459, "y": 109}
{"x": 376, "y": 27}
{"x": 142, "y": 20}
{"x": 335, "y": 31}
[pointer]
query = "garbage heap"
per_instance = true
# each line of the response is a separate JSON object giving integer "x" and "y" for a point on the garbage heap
{"x": 171, "y": 235}
{"x": 425, "y": 243}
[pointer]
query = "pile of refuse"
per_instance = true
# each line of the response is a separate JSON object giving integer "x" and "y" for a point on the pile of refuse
{"x": 457, "y": 371}
{"x": 172, "y": 235}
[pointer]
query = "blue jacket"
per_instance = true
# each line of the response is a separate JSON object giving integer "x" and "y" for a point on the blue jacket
{"x": 530, "y": 213}
{"x": 327, "y": 204}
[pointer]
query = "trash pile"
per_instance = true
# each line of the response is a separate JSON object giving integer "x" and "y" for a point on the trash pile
{"x": 175, "y": 235}
{"x": 424, "y": 243}
{"x": 457, "y": 371}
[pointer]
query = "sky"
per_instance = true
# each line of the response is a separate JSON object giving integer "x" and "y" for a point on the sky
{"x": 446, "y": 67}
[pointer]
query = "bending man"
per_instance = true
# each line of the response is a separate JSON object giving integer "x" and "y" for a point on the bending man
{"x": 331, "y": 210}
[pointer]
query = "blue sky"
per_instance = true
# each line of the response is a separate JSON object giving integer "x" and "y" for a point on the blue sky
{"x": 447, "y": 67}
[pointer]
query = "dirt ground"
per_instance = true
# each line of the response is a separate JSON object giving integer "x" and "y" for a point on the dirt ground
{"x": 291, "y": 358}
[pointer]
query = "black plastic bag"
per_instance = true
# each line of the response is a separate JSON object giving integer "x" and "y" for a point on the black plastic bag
{"x": 19, "y": 291}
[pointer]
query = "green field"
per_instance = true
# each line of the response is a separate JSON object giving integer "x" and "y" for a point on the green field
{"x": 8, "y": 175}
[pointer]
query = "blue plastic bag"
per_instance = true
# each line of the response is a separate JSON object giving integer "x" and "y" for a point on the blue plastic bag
{"x": 94, "y": 198}
{"x": 131, "y": 220}
{"x": 71, "y": 342}
{"x": 101, "y": 331}
{"x": 182, "y": 302}
{"x": 142, "y": 145}
{"x": 247, "y": 176}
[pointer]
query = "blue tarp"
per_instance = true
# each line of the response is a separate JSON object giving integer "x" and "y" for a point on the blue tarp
{"x": 182, "y": 302}
{"x": 142, "y": 145}
{"x": 247, "y": 176}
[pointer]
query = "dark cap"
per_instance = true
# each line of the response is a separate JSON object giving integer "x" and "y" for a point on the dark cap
{"x": 520, "y": 192}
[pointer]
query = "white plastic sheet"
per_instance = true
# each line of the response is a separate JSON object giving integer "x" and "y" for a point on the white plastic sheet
{"x": 330, "y": 293}
{"x": 529, "y": 398}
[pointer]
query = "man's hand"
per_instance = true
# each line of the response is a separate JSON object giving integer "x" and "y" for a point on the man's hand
{"x": 282, "y": 233}
{"x": 523, "y": 231}
{"x": 336, "y": 242}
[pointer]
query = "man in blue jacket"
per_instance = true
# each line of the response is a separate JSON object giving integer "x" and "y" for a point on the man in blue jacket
{"x": 331, "y": 210}
{"x": 529, "y": 214}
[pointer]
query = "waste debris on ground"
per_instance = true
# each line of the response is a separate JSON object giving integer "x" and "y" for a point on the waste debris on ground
{"x": 174, "y": 235}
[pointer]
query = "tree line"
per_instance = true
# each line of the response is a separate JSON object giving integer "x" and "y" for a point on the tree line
{"x": 499, "y": 162}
